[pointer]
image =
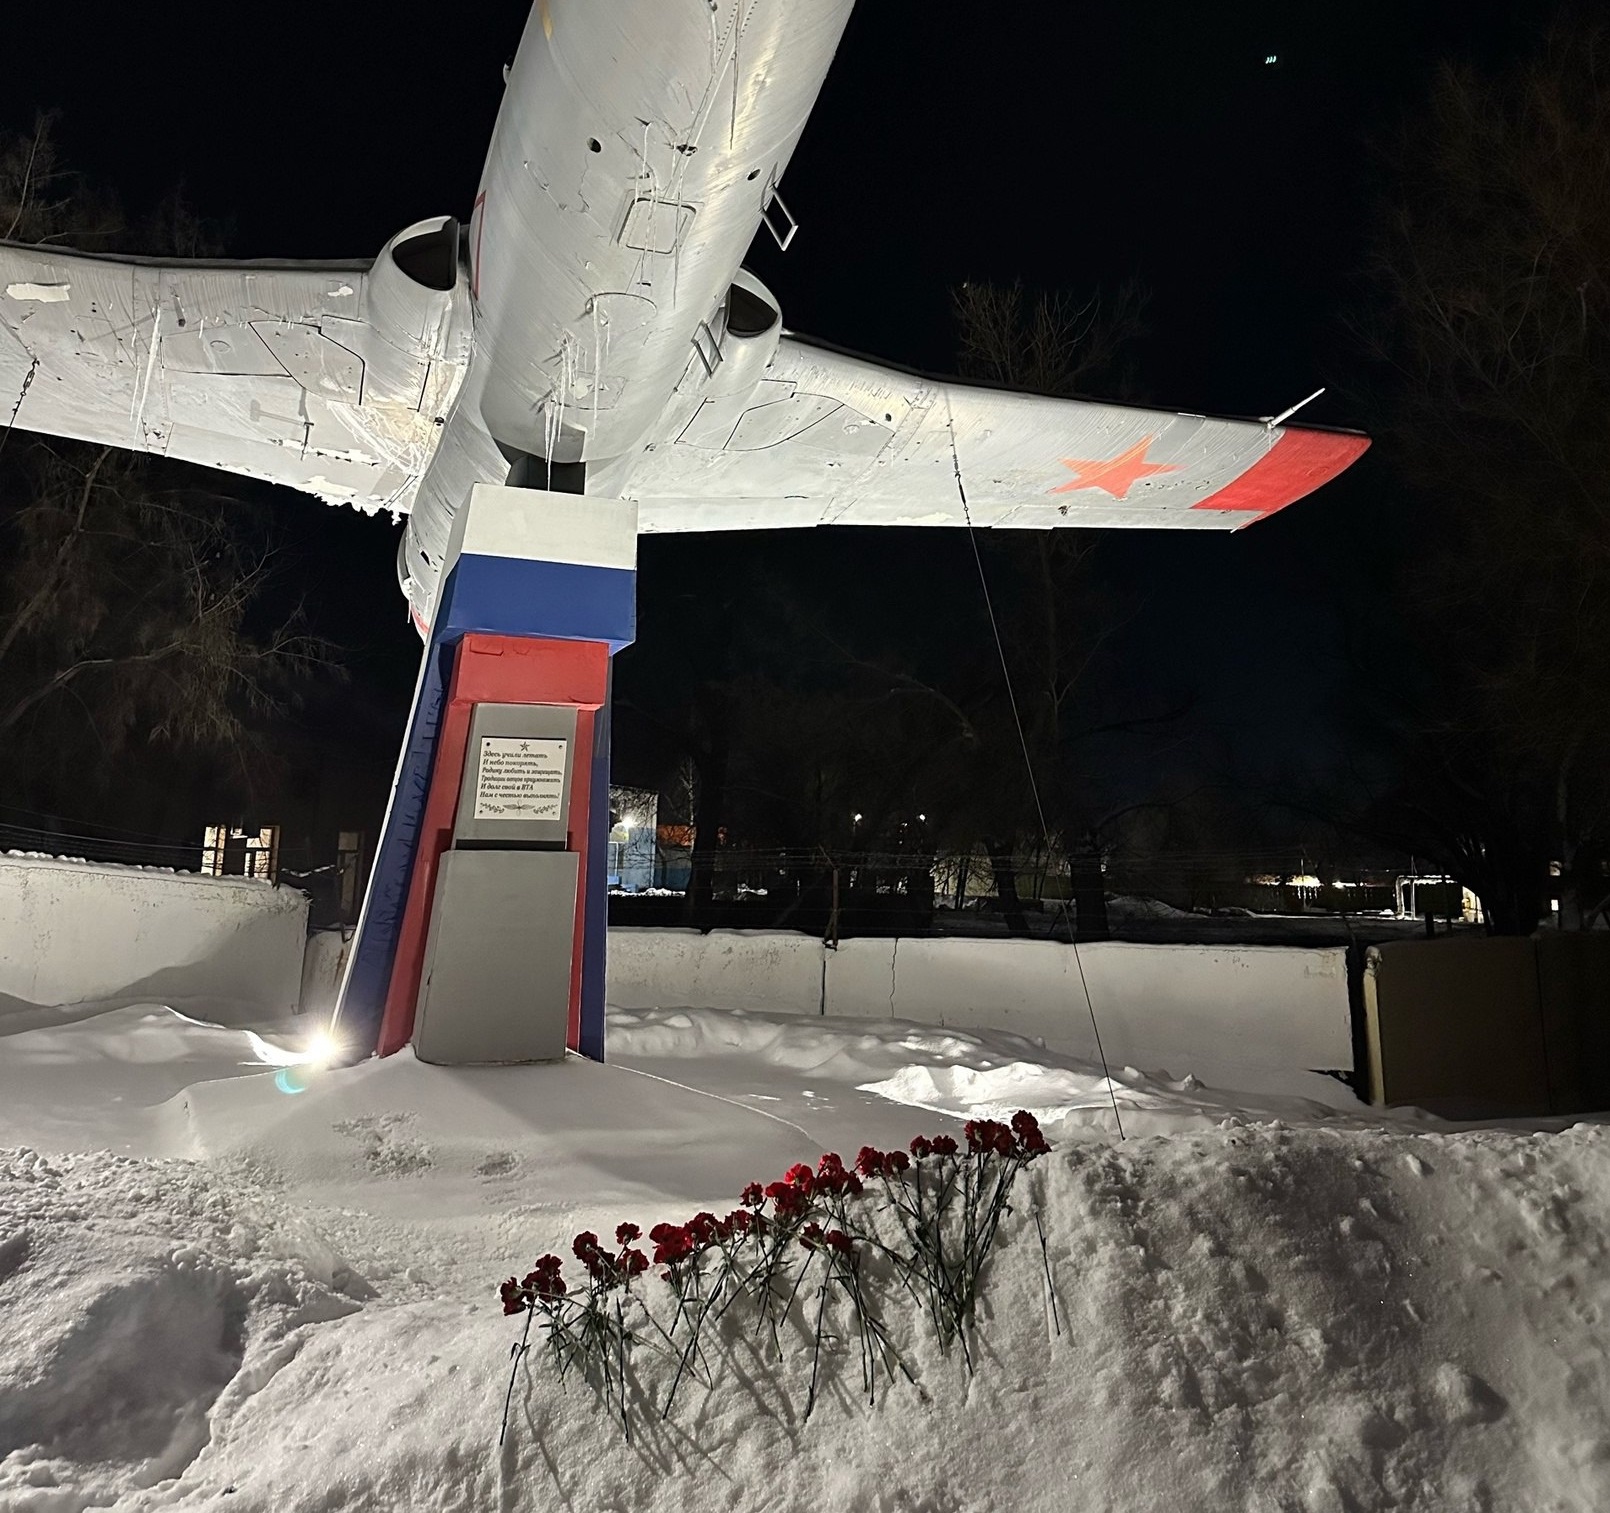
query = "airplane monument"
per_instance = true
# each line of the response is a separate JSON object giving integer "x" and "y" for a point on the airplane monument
{"x": 580, "y": 360}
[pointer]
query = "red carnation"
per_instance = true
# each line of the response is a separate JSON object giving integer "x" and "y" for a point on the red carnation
{"x": 831, "y": 1177}
{"x": 1027, "y": 1129}
{"x": 942, "y": 1145}
{"x": 801, "y": 1176}
{"x": 921, "y": 1146}
{"x": 514, "y": 1297}
{"x": 896, "y": 1163}
{"x": 788, "y": 1199}
{"x": 836, "y": 1239}
{"x": 672, "y": 1242}
{"x": 545, "y": 1279}
{"x": 984, "y": 1135}
{"x": 702, "y": 1228}
{"x": 810, "y": 1236}
{"x": 753, "y": 1195}
{"x": 626, "y": 1233}
{"x": 870, "y": 1161}
{"x": 633, "y": 1262}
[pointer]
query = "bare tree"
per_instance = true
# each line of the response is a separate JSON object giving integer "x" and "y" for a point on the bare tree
{"x": 1055, "y": 620}
{"x": 1493, "y": 265}
{"x": 128, "y": 612}
{"x": 130, "y": 609}
{"x": 1049, "y": 342}
{"x": 41, "y": 201}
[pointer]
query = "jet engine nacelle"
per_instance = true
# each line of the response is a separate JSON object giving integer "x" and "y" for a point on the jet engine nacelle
{"x": 418, "y": 292}
{"x": 751, "y": 327}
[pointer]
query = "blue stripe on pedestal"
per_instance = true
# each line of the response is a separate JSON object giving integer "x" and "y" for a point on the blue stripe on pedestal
{"x": 595, "y": 913}
{"x": 562, "y": 600}
{"x": 363, "y": 994}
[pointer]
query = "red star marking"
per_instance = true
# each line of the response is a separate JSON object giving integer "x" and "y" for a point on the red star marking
{"x": 1113, "y": 475}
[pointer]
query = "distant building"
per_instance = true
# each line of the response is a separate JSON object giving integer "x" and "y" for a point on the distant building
{"x": 632, "y": 833}
{"x": 230, "y": 851}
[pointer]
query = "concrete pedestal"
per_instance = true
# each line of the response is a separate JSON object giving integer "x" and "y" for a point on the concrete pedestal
{"x": 538, "y": 593}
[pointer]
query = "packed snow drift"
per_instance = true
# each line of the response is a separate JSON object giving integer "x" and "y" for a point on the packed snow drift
{"x": 232, "y": 1279}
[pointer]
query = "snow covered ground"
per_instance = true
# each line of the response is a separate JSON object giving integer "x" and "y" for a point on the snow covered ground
{"x": 225, "y": 1284}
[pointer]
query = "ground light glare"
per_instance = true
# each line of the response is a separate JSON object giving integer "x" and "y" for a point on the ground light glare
{"x": 293, "y": 1065}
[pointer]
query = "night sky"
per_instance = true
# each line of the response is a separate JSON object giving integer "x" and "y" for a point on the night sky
{"x": 1066, "y": 144}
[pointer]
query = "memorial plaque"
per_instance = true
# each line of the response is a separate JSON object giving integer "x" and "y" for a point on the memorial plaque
{"x": 518, "y": 769}
{"x": 520, "y": 778}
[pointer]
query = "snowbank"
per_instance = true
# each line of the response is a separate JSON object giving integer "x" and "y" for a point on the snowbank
{"x": 142, "y": 1305}
{"x": 1292, "y": 1318}
{"x": 76, "y": 936}
{"x": 1262, "y": 1302}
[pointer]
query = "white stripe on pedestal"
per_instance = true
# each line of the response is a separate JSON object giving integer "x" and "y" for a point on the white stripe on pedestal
{"x": 535, "y": 526}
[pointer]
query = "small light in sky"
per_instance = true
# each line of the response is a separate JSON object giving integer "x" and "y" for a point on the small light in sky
{"x": 1270, "y": 59}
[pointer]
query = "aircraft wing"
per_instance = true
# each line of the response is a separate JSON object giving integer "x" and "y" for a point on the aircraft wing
{"x": 283, "y": 371}
{"x": 828, "y": 438}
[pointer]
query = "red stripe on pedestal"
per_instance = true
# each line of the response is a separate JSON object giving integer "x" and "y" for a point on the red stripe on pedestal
{"x": 495, "y": 670}
{"x": 1297, "y": 464}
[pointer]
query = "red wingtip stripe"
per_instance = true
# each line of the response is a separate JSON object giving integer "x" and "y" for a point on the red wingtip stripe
{"x": 1297, "y": 464}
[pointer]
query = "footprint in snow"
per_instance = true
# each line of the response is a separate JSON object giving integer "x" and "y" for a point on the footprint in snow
{"x": 386, "y": 1151}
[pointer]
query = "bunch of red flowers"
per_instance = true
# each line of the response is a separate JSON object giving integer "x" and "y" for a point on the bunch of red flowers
{"x": 947, "y": 1209}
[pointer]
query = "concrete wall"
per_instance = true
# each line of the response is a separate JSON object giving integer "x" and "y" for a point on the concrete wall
{"x": 1178, "y": 1007}
{"x": 90, "y": 936}
{"x": 322, "y": 967}
{"x": 726, "y": 969}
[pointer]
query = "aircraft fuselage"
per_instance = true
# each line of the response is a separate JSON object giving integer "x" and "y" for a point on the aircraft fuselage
{"x": 634, "y": 152}
{"x": 636, "y": 148}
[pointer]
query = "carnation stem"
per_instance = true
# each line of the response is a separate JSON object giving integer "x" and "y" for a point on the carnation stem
{"x": 518, "y": 1351}
{"x": 816, "y": 1353}
{"x": 695, "y": 1326}
{"x": 1045, "y": 1261}
{"x": 620, "y": 1347}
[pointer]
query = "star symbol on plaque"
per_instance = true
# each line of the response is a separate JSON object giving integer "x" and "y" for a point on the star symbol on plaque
{"x": 1113, "y": 475}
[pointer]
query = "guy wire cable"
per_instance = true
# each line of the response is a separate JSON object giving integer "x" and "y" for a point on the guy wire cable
{"x": 1023, "y": 742}
{"x": 16, "y": 409}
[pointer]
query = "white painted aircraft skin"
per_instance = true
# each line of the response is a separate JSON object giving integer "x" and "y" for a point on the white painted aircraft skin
{"x": 593, "y": 311}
